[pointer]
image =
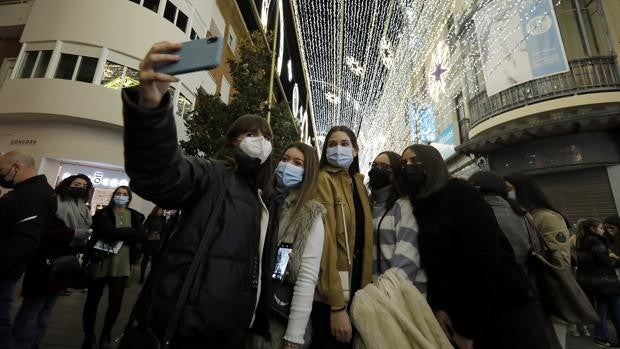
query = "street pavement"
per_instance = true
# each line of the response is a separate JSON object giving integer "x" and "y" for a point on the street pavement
{"x": 65, "y": 328}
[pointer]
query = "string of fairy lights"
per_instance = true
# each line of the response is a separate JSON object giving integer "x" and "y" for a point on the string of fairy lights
{"x": 382, "y": 67}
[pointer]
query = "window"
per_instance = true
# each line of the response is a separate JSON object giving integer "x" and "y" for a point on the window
{"x": 112, "y": 73}
{"x": 184, "y": 106}
{"x": 193, "y": 35}
{"x": 585, "y": 35}
{"x": 170, "y": 12}
{"x": 66, "y": 66}
{"x": 232, "y": 39}
{"x": 86, "y": 72}
{"x": 44, "y": 61}
{"x": 136, "y": 1}
{"x": 28, "y": 65}
{"x": 224, "y": 90}
{"x": 117, "y": 76}
{"x": 182, "y": 21}
{"x": 152, "y": 5}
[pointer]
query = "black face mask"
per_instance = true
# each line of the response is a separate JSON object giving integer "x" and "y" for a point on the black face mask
{"x": 5, "y": 183}
{"x": 415, "y": 177}
{"x": 77, "y": 192}
{"x": 378, "y": 178}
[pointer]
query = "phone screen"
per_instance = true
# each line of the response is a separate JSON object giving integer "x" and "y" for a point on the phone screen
{"x": 281, "y": 261}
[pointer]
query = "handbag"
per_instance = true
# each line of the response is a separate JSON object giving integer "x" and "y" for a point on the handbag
{"x": 139, "y": 337}
{"x": 559, "y": 291}
{"x": 345, "y": 276}
{"x": 282, "y": 299}
{"x": 65, "y": 265}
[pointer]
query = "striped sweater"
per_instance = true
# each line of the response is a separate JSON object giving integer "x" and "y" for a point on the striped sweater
{"x": 398, "y": 239}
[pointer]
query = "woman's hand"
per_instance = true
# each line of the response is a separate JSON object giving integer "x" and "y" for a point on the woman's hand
{"x": 446, "y": 325}
{"x": 341, "y": 326}
{"x": 154, "y": 85}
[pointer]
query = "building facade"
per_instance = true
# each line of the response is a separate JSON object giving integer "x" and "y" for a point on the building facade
{"x": 63, "y": 63}
{"x": 563, "y": 128}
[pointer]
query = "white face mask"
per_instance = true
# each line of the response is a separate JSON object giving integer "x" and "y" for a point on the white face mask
{"x": 256, "y": 148}
{"x": 512, "y": 195}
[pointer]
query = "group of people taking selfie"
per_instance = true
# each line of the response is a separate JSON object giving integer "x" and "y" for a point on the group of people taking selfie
{"x": 270, "y": 249}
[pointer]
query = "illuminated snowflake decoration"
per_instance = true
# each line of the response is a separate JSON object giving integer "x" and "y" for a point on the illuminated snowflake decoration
{"x": 332, "y": 98}
{"x": 387, "y": 55}
{"x": 355, "y": 66}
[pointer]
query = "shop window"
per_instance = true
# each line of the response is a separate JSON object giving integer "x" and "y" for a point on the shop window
{"x": 86, "y": 72}
{"x": 182, "y": 21}
{"x": 28, "y": 65}
{"x": 152, "y": 5}
{"x": 42, "y": 63}
{"x": 170, "y": 12}
{"x": 66, "y": 66}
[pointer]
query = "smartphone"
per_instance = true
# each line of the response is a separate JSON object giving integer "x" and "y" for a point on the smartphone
{"x": 196, "y": 55}
{"x": 281, "y": 261}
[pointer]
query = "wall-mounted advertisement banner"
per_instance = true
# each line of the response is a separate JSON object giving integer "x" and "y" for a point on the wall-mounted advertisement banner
{"x": 519, "y": 41}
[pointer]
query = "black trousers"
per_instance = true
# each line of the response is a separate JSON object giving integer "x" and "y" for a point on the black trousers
{"x": 515, "y": 327}
{"x": 321, "y": 330}
{"x": 116, "y": 290}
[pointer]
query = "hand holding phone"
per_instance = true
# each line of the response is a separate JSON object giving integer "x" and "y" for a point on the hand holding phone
{"x": 153, "y": 85}
{"x": 195, "y": 55}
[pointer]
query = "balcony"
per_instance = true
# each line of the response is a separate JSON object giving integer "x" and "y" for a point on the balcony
{"x": 595, "y": 74}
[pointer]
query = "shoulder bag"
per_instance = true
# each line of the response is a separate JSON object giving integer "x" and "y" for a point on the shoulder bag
{"x": 560, "y": 293}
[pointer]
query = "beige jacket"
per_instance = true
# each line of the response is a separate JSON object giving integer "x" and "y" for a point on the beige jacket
{"x": 554, "y": 230}
{"x": 335, "y": 194}
{"x": 392, "y": 313}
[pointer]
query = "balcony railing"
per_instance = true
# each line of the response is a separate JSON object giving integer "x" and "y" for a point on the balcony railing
{"x": 586, "y": 75}
{"x": 12, "y": 2}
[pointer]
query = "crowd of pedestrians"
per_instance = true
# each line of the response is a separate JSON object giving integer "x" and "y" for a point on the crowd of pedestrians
{"x": 271, "y": 250}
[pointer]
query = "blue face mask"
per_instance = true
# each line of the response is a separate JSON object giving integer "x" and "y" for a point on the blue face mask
{"x": 120, "y": 200}
{"x": 289, "y": 175}
{"x": 340, "y": 156}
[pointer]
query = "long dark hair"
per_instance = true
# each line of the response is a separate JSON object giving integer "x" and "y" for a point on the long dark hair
{"x": 398, "y": 187}
{"x": 247, "y": 123}
{"x": 491, "y": 183}
{"x": 529, "y": 194}
{"x": 584, "y": 228}
{"x": 62, "y": 189}
{"x": 355, "y": 165}
{"x": 112, "y": 204}
{"x": 309, "y": 187}
{"x": 437, "y": 174}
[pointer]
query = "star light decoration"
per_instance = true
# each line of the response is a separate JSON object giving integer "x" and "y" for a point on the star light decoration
{"x": 395, "y": 42}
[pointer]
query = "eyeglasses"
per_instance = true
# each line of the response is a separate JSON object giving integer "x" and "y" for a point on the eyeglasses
{"x": 381, "y": 165}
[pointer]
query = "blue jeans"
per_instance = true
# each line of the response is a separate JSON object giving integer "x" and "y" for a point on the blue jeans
{"x": 6, "y": 302}
{"x": 31, "y": 321}
{"x": 605, "y": 304}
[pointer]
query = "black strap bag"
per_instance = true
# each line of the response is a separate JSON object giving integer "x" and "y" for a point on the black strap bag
{"x": 138, "y": 337}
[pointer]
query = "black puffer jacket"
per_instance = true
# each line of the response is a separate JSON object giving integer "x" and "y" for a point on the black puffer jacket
{"x": 223, "y": 296}
{"x": 104, "y": 227}
{"x": 595, "y": 268}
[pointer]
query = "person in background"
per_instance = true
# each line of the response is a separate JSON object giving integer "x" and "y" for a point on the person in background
{"x": 480, "y": 295}
{"x": 298, "y": 221}
{"x": 116, "y": 230}
{"x": 516, "y": 226}
{"x": 596, "y": 273}
{"x": 396, "y": 229}
{"x": 25, "y": 214}
{"x": 347, "y": 251}
{"x": 154, "y": 225}
{"x": 574, "y": 329}
{"x": 611, "y": 225}
{"x": 549, "y": 222}
{"x": 41, "y": 286}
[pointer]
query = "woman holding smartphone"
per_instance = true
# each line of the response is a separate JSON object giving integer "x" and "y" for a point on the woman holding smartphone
{"x": 299, "y": 225}
{"x": 346, "y": 265}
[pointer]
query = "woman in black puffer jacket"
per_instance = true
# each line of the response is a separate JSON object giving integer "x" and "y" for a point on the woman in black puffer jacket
{"x": 596, "y": 272}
